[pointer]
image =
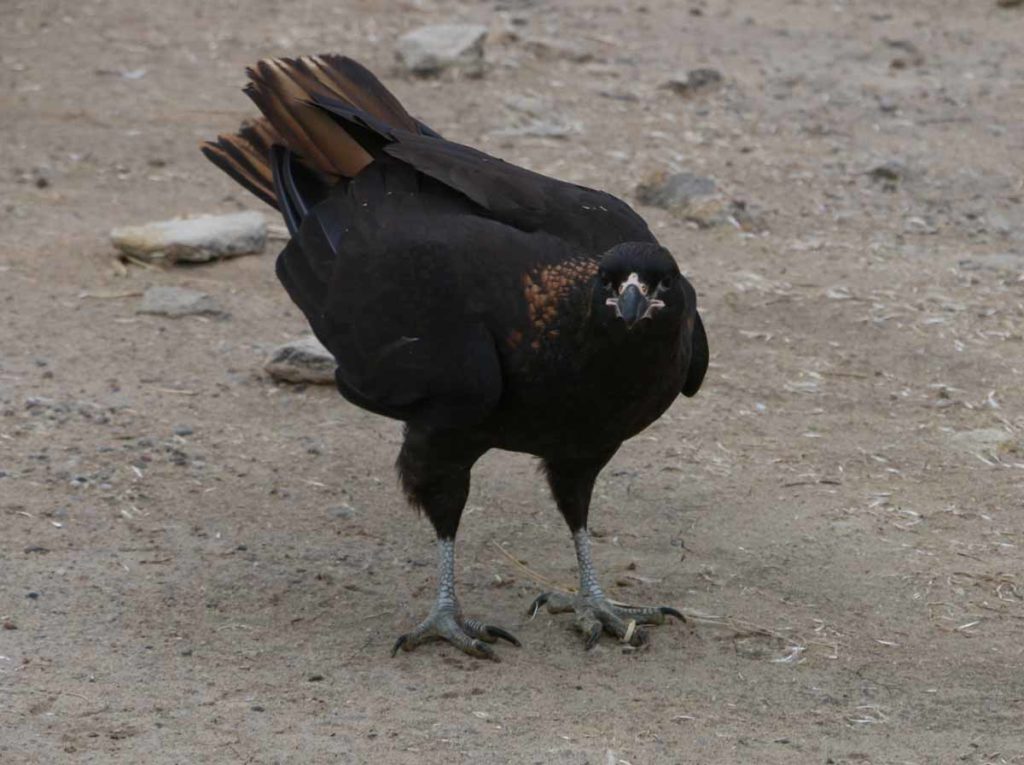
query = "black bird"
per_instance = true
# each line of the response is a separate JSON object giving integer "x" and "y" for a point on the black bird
{"x": 486, "y": 306}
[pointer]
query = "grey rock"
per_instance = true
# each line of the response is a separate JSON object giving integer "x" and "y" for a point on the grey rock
{"x": 302, "y": 360}
{"x": 536, "y": 117}
{"x": 183, "y": 430}
{"x": 343, "y": 512}
{"x": 909, "y": 54}
{"x": 991, "y": 441}
{"x": 696, "y": 199}
{"x": 432, "y": 49}
{"x": 553, "y": 50}
{"x": 676, "y": 190}
{"x": 1009, "y": 3}
{"x": 694, "y": 82}
{"x": 999, "y": 222}
{"x": 997, "y": 261}
{"x": 889, "y": 174}
{"x": 194, "y": 240}
{"x": 540, "y": 128}
{"x": 888, "y": 105}
{"x": 892, "y": 170}
{"x": 177, "y": 302}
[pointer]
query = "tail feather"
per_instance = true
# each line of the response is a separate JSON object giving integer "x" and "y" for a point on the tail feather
{"x": 305, "y": 130}
{"x": 244, "y": 156}
{"x": 357, "y": 85}
{"x": 287, "y": 91}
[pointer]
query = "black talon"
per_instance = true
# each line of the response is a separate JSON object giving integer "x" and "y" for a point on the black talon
{"x": 398, "y": 644}
{"x": 640, "y": 638}
{"x": 498, "y": 632}
{"x": 620, "y": 620}
{"x": 486, "y": 651}
{"x": 538, "y": 602}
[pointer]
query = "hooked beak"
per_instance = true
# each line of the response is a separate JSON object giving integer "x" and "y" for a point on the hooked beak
{"x": 633, "y": 304}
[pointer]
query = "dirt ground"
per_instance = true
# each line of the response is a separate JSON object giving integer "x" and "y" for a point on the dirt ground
{"x": 839, "y": 510}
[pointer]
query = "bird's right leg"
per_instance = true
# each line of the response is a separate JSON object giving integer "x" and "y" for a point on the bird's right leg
{"x": 440, "y": 485}
{"x": 445, "y": 620}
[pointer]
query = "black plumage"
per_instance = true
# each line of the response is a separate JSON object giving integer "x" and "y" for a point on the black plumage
{"x": 484, "y": 305}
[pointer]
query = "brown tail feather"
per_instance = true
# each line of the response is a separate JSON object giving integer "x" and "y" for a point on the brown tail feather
{"x": 283, "y": 89}
{"x": 244, "y": 155}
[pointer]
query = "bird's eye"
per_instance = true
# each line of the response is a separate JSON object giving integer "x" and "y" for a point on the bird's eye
{"x": 665, "y": 283}
{"x": 607, "y": 283}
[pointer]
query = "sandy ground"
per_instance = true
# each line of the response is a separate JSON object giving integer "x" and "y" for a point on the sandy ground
{"x": 850, "y": 559}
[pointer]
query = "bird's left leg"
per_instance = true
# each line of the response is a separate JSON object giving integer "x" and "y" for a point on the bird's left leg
{"x": 572, "y": 484}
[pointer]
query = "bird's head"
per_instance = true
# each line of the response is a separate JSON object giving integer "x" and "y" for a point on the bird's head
{"x": 638, "y": 283}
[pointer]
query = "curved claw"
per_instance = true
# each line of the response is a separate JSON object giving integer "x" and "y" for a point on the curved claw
{"x": 595, "y": 615}
{"x": 402, "y": 640}
{"x": 468, "y": 635}
{"x": 539, "y": 601}
{"x": 488, "y": 632}
{"x": 498, "y": 632}
{"x": 481, "y": 651}
{"x": 592, "y": 634}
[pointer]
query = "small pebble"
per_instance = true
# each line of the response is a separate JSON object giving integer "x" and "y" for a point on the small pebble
{"x": 695, "y": 81}
{"x": 183, "y": 430}
{"x": 341, "y": 512}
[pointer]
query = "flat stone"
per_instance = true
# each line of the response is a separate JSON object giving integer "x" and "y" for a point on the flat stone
{"x": 553, "y": 50}
{"x": 432, "y": 49}
{"x": 696, "y": 199}
{"x": 674, "y": 191}
{"x": 990, "y": 440}
{"x": 177, "y": 302}
{"x": 303, "y": 360}
{"x": 344, "y": 512}
{"x": 997, "y": 261}
{"x": 194, "y": 240}
{"x": 536, "y": 117}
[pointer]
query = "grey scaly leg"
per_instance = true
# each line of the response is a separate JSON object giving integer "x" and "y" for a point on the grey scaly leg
{"x": 594, "y": 612}
{"x": 445, "y": 620}
{"x": 588, "y": 575}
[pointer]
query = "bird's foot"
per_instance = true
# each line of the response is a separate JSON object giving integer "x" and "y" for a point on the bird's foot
{"x": 596, "y": 614}
{"x": 468, "y": 635}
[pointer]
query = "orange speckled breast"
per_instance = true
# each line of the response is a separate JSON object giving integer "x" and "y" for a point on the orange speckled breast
{"x": 546, "y": 290}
